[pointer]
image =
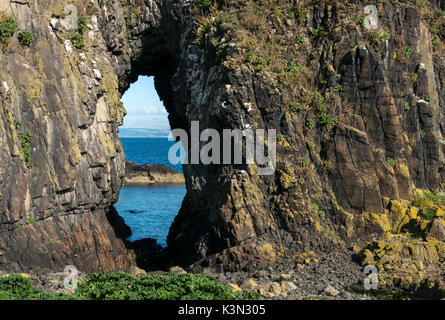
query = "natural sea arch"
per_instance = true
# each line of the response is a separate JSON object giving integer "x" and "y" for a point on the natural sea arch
{"x": 53, "y": 213}
{"x": 148, "y": 210}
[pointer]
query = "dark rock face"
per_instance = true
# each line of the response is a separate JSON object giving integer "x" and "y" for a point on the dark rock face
{"x": 437, "y": 230}
{"x": 379, "y": 147}
{"x": 53, "y": 206}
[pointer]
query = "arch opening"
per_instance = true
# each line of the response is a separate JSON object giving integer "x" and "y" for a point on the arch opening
{"x": 154, "y": 188}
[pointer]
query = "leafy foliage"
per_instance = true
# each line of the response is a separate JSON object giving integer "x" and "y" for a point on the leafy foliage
{"x": 26, "y": 38}
{"x": 295, "y": 106}
{"x": 324, "y": 118}
{"x": 7, "y": 29}
{"x": 122, "y": 286}
{"x": 78, "y": 41}
{"x": 310, "y": 123}
{"x": 378, "y": 36}
{"x": 26, "y": 140}
{"x": 428, "y": 199}
{"x": 204, "y": 4}
{"x": 81, "y": 24}
{"x": 16, "y": 287}
{"x": 126, "y": 2}
{"x": 391, "y": 161}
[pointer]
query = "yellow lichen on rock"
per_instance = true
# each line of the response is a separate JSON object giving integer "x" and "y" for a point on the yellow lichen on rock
{"x": 267, "y": 249}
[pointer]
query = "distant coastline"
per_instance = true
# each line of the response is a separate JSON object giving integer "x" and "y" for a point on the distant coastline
{"x": 143, "y": 133}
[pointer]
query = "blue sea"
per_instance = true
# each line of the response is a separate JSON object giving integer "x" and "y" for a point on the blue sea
{"x": 149, "y": 210}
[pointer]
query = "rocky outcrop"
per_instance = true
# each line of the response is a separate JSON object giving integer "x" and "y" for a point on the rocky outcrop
{"x": 359, "y": 115}
{"x": 411, "y": 256}
{"x": 136, "y": 175}
{"x": 62, "y": 163}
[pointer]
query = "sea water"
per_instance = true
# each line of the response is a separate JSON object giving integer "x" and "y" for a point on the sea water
{"x": 149, "y": 211}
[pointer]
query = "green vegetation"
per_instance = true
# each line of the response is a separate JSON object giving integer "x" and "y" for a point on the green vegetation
{"x": 319, "y": 32}
{"x": 7, "y": 28}
{"x": 406, "y": 106}
{"x": 317, "y": 98}
{"x": 406, "y": 52}
{"x": 436, "y": 41}
{"x": 280, "y": 137}
{"x": 414, "y": 77}
{"x": 220, "y": 51}
{"x": 339, "y": 88}
{"x": 305, "y": 161}
{"x": 126, "y": 2}
{"x": 428, "y": 199}
{"x": 295, "y": 106}
{"x": 422, "y": 133}
{"x": 430, "y": 203}
{"x": 378, "y": 36}
{"x": 277, "y": 11}
{"x": 301, "y": 15}
{"x": 204, "y": 4}
{"x": 122, "y": 286}
{"x": 429, "y": 213}
{"x": 327, "y": 164}
{"x": 26, "y": 140}
{"x": 288, "y": 71}
{"x": 82, "y": 24}
{"x": 26, "y": 38}
{"x": 317, "y": 210}
{"x": 17, "y": 124}
{"x": 102, "y": 2}
{"x": 358, "y": 21}
{"x": 78, "y": 41}
{"x": 261, "y": 62}
{"x": 427, "y": 98}
{"x": 324, "y": 118}
{"x": 310, "y": 123}
{"x": 16, "y": 287}
{"x": 391, "y": 161}
{"x": 28, "y": 221}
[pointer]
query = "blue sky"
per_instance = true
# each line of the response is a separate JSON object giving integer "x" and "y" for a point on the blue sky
{"x": 144, "y": 108}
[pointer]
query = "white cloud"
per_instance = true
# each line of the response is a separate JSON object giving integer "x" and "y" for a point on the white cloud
{"x": 154, "y": 110}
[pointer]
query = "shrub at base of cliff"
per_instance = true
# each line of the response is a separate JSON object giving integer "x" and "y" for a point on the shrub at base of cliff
{"x": 122, "y": 286}
{"x": 16, "y": 287}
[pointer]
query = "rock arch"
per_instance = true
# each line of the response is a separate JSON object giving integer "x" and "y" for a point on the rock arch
{"x": 55, "y": 213}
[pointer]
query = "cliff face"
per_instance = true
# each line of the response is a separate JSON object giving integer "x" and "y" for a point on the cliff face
{"x": 359, "y": 116}
{"x": 55, "y": 191}
{"x": 358, "y": 111}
